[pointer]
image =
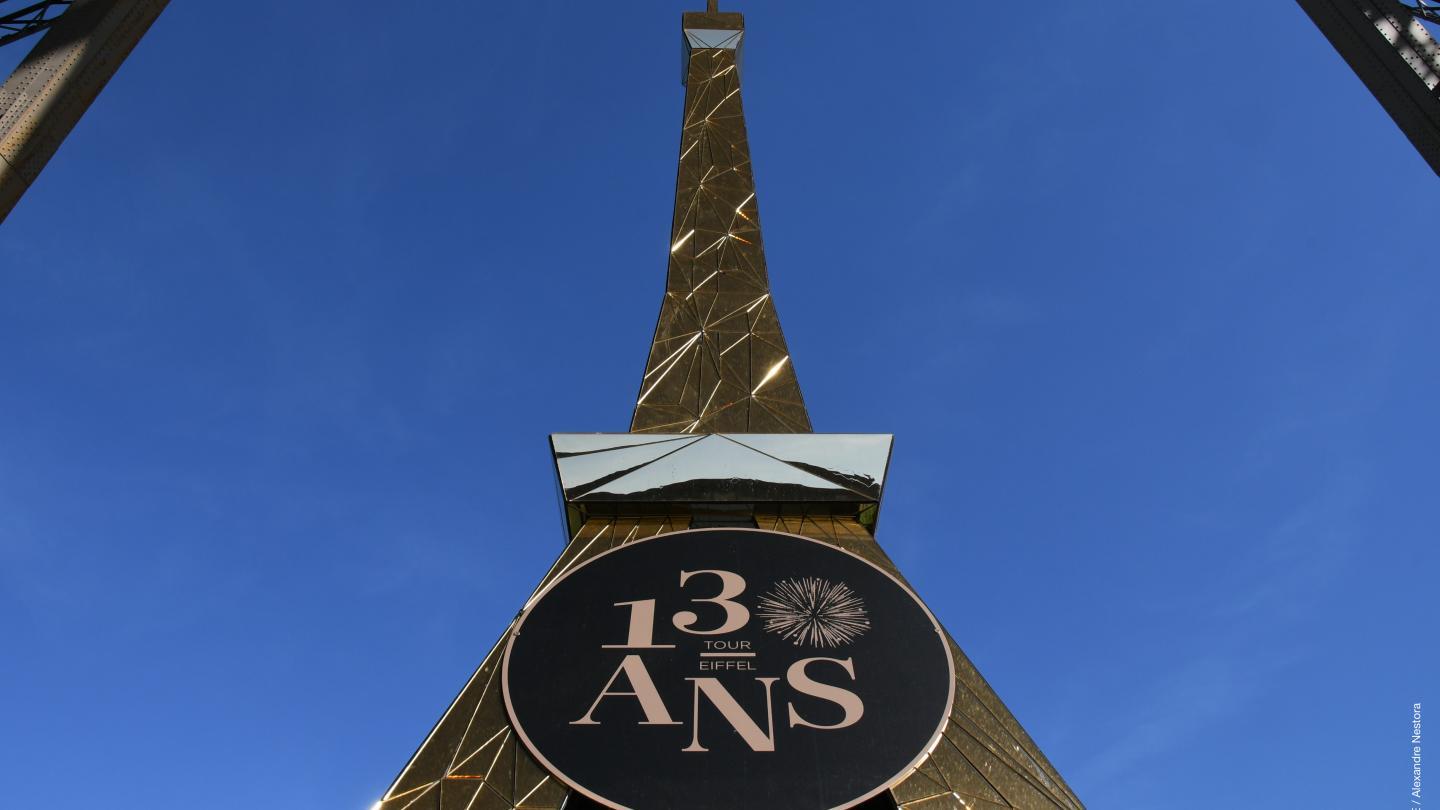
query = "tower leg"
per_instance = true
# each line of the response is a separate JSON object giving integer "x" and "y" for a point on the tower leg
{"x": 51, "y": 89}
{"x": 1394, "y": 55}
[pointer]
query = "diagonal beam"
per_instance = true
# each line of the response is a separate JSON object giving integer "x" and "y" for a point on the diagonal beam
{"x": 1390, "y": 50}
{"x": 57, "y": 81}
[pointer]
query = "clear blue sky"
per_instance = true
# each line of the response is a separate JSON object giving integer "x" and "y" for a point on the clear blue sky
{"x": 1147, "y": 293}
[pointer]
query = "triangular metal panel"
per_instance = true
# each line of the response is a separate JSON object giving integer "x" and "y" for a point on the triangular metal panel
{"x": 710, "y": 462}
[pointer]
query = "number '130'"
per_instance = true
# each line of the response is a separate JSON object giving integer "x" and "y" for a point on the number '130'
{"x": 641, "y": 686}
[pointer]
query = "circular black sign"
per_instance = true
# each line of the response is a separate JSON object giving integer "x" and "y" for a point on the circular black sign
{"x": 728, "y": 668}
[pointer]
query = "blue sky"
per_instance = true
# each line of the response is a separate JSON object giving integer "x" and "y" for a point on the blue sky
{"x": 1147, "y": 294}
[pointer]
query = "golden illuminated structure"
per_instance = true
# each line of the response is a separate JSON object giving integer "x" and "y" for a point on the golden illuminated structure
{"x": 720, "y": 437}
{"x": 718, "y": 363}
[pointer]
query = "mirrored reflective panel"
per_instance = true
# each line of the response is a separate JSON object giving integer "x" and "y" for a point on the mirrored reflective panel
{"x": 576, "y": 443}
{"x": 599, "y": 463}
{"x": 783, "y": 468}
{"x": 856, "y": 460}
{"x": 712, "y": 38}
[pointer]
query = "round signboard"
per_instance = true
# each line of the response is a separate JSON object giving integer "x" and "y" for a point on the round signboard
{"x": 728, "y": 668}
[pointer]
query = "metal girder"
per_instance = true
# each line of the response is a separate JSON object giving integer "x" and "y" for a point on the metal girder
{"x": 57, "y": 81}
{"x": 1388, "y": 46}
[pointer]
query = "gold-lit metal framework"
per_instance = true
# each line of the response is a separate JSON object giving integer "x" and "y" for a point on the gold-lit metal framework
{"x": 719, "y": 366}
{"x": 718, "y": 363}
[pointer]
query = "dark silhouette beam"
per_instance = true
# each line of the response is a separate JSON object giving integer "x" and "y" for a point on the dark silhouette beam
{"x": 1389, "y": 48}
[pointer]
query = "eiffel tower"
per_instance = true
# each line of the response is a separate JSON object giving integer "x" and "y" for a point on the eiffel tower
{"x": 720, "y": 438}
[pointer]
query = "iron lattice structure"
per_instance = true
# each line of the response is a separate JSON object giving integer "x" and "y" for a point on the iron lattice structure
{"x": 1387, "y": 44}
{"x": 1425, "y": 10}
{"x": 718, "y": 364}
{"x": 18, "y": 23}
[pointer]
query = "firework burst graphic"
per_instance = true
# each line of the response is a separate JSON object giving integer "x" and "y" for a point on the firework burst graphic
{"x": 814, "y": 611}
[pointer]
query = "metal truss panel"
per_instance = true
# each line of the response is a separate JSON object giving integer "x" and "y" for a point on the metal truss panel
{"x": 718, "y": 362}
{"x": 472, "y": 758}
{"x": 1390, "y": 50}
{"x": 712, "y": 38}
{"x": 742, "y": 467}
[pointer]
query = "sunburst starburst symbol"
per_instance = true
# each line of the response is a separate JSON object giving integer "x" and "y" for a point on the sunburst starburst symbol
{"x": 813, "y": 611}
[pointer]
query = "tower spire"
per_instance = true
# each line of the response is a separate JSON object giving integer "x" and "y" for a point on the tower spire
{"x": 718, "y": 362}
